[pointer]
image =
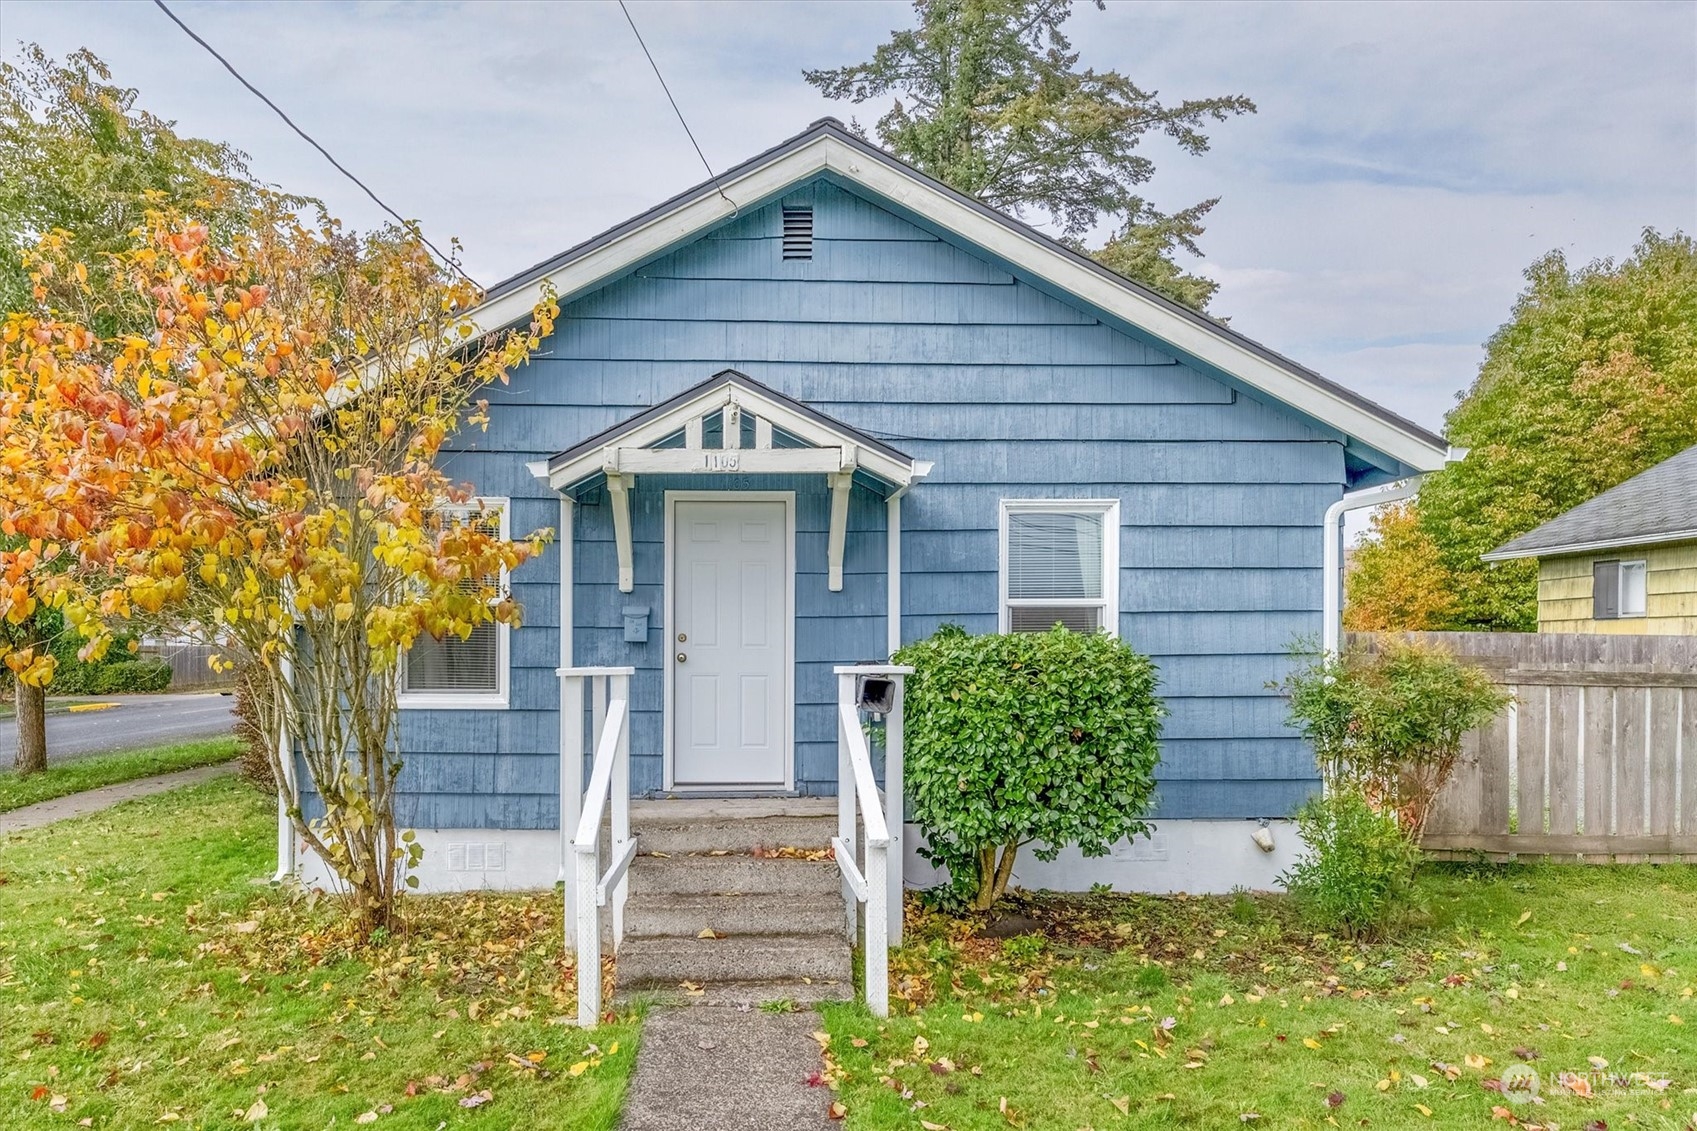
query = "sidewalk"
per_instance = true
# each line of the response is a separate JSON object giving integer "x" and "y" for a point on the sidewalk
{"x": 712, "y": 1066}
{"x": 94, "y": 800}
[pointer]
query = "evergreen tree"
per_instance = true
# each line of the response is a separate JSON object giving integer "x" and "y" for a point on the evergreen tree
{"x": 990, "y": 100}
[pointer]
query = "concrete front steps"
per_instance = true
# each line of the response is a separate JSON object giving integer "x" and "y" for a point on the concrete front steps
{"x": 780, "y": 921}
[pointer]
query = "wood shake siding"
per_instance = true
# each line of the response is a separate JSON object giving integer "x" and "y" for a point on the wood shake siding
{"x": 1565, "y": 598}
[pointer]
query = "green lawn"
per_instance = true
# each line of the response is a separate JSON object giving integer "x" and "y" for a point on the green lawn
{"x": 96, "y": 770}
{"x": 144, "y": 976}
{"x": 145, "y": 979}
{"x": 1138, "y": 1012}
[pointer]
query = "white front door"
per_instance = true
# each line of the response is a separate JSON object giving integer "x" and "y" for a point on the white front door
{"x": 729, "y": 639}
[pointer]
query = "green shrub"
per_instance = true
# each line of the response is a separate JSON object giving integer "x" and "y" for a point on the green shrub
{"x": 119, "y": 671}
{"x": 130, "y": 675}
{"x": 112, "y": 677}
{"x": 1388, "y": 724}
{"x": 1027, "y": 738}
{"x": 1358, "y": 867}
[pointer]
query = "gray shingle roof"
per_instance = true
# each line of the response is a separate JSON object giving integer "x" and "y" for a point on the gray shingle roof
{"x": 1658, "y": 505}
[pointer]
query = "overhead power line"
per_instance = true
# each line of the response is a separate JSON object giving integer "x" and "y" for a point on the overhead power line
{"x": 310, "y": 140}
{"x": 711, "y": 175}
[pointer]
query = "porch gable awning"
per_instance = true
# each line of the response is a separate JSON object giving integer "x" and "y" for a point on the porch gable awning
{"x": 731, "y": 424}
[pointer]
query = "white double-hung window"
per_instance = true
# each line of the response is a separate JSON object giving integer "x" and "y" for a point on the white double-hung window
{"x": 1060, "y": 564}
{"x": 454, "y": 673}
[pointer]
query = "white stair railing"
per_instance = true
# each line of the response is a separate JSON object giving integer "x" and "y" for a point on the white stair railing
{"x": 872, "y": 876}
{"x": 588, "y": 888}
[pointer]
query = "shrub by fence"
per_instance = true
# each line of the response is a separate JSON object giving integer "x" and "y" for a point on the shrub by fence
{"x": 1595, "y": 761}
{"x": 190, "y": 670}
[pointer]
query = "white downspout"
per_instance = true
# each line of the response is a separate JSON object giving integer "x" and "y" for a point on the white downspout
{"x": 1331, "y": 631}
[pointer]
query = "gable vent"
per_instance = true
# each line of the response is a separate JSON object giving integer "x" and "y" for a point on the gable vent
{"x": 798, "y": 232}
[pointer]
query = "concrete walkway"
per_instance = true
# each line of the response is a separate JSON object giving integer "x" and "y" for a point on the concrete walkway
{"x": 94, "y": 800}
{"x": 712, "y": 1066}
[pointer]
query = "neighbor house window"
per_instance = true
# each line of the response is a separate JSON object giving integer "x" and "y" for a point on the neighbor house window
{"x": 452, "y": 673}
{"x": 1059, "y": 565}
{"x": 1618, "y": 589}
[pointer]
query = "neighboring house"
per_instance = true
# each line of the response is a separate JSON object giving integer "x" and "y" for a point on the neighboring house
{"x": 800, "y": 429}
{"x": 1623, "y": 562}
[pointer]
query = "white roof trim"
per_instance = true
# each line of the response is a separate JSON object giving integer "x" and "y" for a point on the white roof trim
{"x": 1026, "y": 250}
{"x": 1590, "y": 547}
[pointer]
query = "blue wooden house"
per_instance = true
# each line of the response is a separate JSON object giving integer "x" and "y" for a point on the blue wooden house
{"x": 796, "y": 418}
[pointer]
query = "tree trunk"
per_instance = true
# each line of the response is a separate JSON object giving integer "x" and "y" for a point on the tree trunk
{"x": 32, "y": 728}
{"x": 986, "y": 894}
{"x": 993, "y": 876}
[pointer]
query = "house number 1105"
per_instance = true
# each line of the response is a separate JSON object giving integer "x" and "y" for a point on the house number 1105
{"x": 722, "y": 461}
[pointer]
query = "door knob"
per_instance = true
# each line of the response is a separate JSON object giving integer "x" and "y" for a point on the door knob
{"x": 682, "y": 657}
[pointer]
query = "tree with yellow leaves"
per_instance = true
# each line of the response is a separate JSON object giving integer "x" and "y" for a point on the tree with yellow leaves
{"x": 1396, "y": 580}
{"x": 263, "y": 463}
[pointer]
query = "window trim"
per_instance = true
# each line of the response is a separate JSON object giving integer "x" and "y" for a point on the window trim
{"x": 1108, "y": 603}
{"x": 500, "y": 698}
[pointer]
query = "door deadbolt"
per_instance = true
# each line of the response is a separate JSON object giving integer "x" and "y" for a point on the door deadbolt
{"x": 682, "y": 636}
{"x": 682, "y": 657}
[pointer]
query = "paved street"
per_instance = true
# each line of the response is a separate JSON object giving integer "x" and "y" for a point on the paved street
{"x": 137, "y": 721}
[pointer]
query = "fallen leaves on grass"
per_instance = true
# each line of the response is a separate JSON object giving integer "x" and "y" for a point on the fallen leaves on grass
{"x": 497, "y": 952}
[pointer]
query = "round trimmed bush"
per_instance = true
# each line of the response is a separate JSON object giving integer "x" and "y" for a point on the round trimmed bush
{"x": 1047, "y": 739}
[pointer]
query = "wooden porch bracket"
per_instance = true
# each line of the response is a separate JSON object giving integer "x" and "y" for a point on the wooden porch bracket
{"x": 840, "y": 481}
{"x": 618, "y": 492}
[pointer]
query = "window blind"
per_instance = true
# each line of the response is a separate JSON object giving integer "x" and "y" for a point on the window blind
{"x": 1041, "y": 618}
{"x": 452, "y": 664}
{"x": 1054, "y": 556}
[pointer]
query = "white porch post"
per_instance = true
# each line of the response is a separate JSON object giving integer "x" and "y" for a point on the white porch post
{"x": 894, "y": 804}
{"x": 286, "y": 786}
{"x": 845, "y": 798}
{"x": 571, "y": 786}
{"x": 571, "y": 722}
{"x": 893, "y": 571}
{"x": 619, "y": 689}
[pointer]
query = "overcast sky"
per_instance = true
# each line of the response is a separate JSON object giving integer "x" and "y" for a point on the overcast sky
{"x": 1407, "y": 163}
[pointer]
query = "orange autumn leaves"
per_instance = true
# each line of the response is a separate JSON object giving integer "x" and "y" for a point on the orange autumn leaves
{"x": 264, "y": 453}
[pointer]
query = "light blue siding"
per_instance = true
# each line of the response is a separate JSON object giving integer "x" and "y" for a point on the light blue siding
{"x": 943, "y": 353}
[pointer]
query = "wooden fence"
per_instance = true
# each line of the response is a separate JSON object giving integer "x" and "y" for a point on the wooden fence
{"x": 189, "y": 668}
{"x": 1595, "y": 761}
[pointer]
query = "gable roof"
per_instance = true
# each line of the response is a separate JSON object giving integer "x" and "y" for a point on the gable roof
{"x": 1654, "y": 506}
{"x": 828, "y": 148}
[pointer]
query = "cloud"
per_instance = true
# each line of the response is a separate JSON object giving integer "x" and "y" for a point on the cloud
{"x": 1407, "y": 163}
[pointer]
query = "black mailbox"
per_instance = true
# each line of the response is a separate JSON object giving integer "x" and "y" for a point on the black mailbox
{"x": 876, "y": 693}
